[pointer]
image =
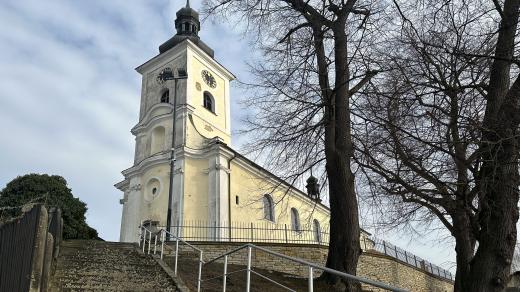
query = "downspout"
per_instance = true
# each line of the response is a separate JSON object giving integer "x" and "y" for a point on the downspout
{"x": 229, "y": 194}
{"x": 172, "y": 163}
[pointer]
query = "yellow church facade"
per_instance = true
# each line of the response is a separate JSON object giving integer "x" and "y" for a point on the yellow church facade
{"x": 200, "y": 182}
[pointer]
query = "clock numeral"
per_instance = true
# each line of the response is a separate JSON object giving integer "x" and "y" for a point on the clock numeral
{"x": 209, "y": 79}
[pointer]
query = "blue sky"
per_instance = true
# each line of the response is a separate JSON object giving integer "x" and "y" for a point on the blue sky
{"x": 70, "y": 95}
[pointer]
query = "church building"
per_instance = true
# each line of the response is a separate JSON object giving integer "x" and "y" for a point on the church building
{"x": 185, "y": 173}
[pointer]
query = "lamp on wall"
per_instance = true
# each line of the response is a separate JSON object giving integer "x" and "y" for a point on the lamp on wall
{"x": 167, "y": 75}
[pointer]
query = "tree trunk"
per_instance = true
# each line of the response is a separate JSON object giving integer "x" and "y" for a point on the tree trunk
{"x": 344, "y": 247}
{"x": 491, "y": 265}
{"x": 465, "y": 248}
{"x": 498, "y": 197}
{"x": 498, "y": 179}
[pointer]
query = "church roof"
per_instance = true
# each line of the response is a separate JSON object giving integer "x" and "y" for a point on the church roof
{"x": 188, "y": 11}
{"x": 281, "y": 180}
{"x": 177, "y": 39}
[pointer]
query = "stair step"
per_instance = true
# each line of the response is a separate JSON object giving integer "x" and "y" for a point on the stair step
{"x": 108, "y": 266}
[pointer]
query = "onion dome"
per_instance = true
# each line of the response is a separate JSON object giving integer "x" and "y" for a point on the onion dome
{"x": 187, "y": 25}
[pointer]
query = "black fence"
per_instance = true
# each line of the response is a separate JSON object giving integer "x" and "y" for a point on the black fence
{"x": 267, "y": 232}
{"x": 24, "y": 262}
{"x": 409, "y": 258}
{"x": 251, "y": 232}
{"x": 17, "y": 240}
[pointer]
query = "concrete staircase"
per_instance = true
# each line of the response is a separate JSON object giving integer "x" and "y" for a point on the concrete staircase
{"x": 88, "y": 265}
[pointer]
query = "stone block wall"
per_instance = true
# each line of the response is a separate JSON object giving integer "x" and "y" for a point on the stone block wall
{"x": 386, "y": 269}
{"x": 371, "y": 265}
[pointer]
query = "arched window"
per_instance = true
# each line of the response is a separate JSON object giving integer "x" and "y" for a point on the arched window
{"x": 268, "y": 208}
{"x": 157, "y": 140}
{"x": 165, "y": 97}
{"x": 317, "y": 230}
{"x": 295, "y": 220}
{"x": 209, "y": 102}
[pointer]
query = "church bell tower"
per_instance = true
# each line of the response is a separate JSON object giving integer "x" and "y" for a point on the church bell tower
{"x": 184, "y": 106}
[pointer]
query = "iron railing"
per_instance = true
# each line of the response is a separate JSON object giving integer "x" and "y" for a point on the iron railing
{"x": 310, "y": 266}
{"x": 267, "y": 232}
{"x": 161, "y": 236}
{"x": 147, "y": 236}
{"x": 402, "y": 255}
{"x": 250, "y": 232}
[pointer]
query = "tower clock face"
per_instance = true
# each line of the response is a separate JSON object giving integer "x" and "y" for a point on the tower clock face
{"x": 209, "y": 79}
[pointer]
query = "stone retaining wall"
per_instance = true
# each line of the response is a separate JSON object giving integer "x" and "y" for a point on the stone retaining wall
{"x": 372, "y": 264}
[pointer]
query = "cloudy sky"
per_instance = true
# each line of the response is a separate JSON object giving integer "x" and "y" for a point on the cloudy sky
{"x": 69, "y": 94}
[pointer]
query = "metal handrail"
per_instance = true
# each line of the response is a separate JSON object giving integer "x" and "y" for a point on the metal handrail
{"x": 178, "y": 240}
{"x": 181, "y": 240}
{"x": 268, "y": 232}
{"x": 144, "y": 232}
{"x": 311, "y": 266}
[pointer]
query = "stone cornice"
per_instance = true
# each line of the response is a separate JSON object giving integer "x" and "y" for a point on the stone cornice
{"x": 123, "y": 185}
{"x": 147, "y": 121}
{"x": 163, "y": 58}
{"x": 176, "y": 52}
{"x": 143, "y": 165}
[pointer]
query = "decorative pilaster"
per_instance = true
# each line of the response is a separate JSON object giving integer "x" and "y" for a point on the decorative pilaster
{"x": 131, "y": 212}
{"x": 218, "y": 184}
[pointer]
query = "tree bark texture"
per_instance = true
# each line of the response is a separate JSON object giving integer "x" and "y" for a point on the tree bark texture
{"x": 344, "y": 247}
{"x": 498, "y": 180}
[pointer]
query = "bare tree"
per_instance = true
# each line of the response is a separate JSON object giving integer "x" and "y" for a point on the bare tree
{"x": 313, "y": 63}
{"x": 440, "y": 130}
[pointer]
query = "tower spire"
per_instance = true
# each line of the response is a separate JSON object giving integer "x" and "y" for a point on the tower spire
{"x": 187, "y": 25}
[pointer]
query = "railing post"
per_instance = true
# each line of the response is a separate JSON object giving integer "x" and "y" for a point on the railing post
{"x": 176, "y": 255}
{"x": 144, "y": 239}
{"x": 252, "y": 232}
{"x": 216, "y": 231}
{"x": 140, "y": 236}
{"x": 163, "y": 237}
{"x": 286, "y": 238}
{"x": 230, "y": 230}
{"x": 199, "y": 280}
{"x": 155, "y": 244}
{"x": 149, "y": 241}
{"x": 311, "y": 279}
{"x": 248, "y": 279}
{"x": 225, "y": 274}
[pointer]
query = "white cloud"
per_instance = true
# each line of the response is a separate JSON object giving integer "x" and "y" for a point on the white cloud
{"x": 69, "y": 94}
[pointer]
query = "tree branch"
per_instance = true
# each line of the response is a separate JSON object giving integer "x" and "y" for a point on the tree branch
{"x": 293, "y": 30}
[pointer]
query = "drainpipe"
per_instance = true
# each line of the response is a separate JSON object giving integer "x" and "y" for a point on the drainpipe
{"x": 172, "y": 162}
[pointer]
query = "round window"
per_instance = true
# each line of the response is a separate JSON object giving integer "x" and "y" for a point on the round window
{"x": 153, "y": 189}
